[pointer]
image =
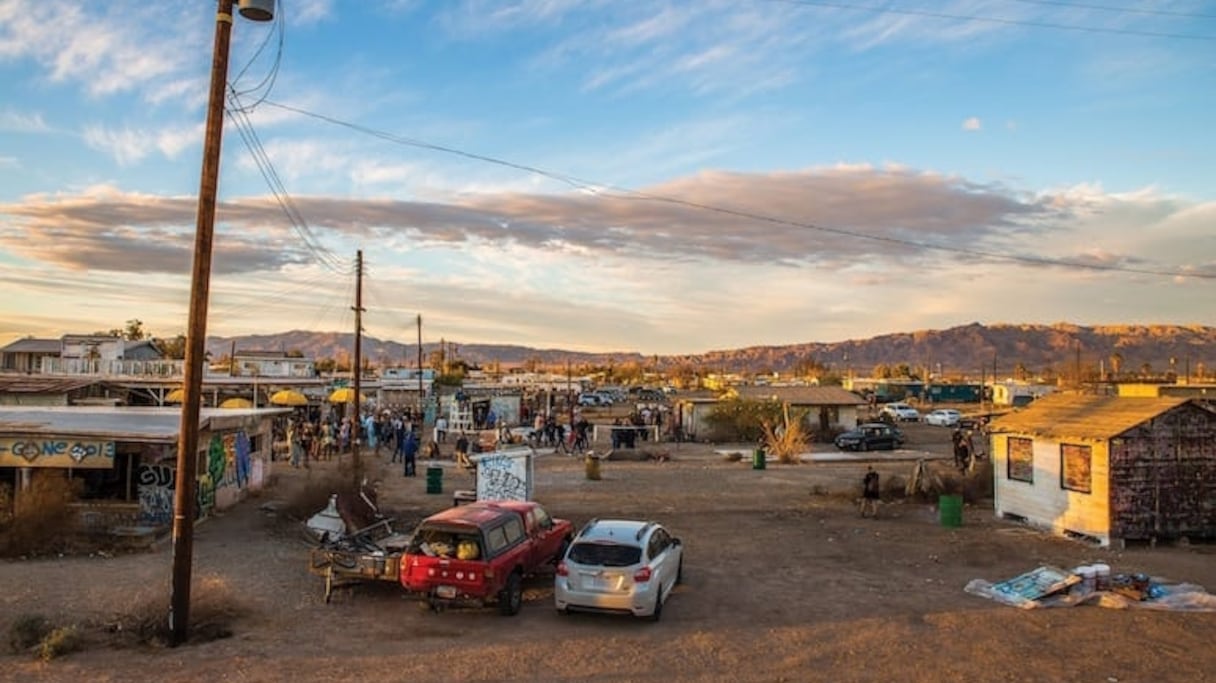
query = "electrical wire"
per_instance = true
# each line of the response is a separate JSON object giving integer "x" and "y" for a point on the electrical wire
{"x": 249, "y": 136}
{"x": 994, "y": 20}
{"x": 1117, "y": 10}
{"x": 627, "y": 193}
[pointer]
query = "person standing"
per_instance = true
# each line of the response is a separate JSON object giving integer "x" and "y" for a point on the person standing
{"x": 462, "y": 451}
{"x": 410, "y": 452}
{"x": 869, "y": 493}
{"x": 441, "y": 429}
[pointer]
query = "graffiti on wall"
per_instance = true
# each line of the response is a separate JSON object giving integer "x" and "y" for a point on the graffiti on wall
{"x": 504, "y": 477}
{"x": 56, "y": 453}
{"x": 242, "y": 453}
{"x": 156, "y": 484}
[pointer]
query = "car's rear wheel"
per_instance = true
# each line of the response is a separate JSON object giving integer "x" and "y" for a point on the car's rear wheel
{"x": 512, "y": 596}
{"x": 657, "y": 614}
{"x": 865, "y": 445}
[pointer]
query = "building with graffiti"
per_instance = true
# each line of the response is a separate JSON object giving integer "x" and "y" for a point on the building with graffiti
{"x": 122, "y": 462}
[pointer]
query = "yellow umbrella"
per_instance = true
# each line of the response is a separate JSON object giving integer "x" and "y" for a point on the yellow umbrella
{"x": 288, "y": 397}
{"x": 345, "y": 395}
{"x": 237, "y": 403}
{"x": 176, "y": 396}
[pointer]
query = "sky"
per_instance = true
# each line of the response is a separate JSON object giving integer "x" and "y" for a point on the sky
{"x": 655, "y": 176}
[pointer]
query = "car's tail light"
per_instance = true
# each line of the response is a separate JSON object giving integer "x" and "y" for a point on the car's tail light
{"x": 562, "y": 570}
{"x": 642, "y": 575}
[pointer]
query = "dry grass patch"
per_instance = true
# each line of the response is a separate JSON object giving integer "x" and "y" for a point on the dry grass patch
{"x": 42, "y": 522}
{"x": 214, "y": 610}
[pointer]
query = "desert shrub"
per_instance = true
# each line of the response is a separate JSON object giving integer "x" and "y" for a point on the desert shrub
{"x": 789, "y": 441}
{"x": 43, "y": 521}
{"x": 27, "y": 630}
{"x": 977, "y": 486}
{"x": 314, "y": 495}
{"x": 60, "y": 641}
{"x": 214, "y": 608}
{"x": 741, "y": 420}
{"x": 893, "y": 487}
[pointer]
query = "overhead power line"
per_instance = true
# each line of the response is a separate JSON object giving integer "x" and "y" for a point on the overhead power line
{"x": 995, "y": 20}
{"x": 628, "y": 193}
{"x": 1117, "y": 10}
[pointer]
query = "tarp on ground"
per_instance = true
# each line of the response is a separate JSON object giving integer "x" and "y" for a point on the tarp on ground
{"x": 1053, "y": 587}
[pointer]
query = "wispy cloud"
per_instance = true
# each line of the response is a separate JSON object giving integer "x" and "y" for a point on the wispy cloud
{"x": 20, "y": 122}
{"x": 972, "y": 124}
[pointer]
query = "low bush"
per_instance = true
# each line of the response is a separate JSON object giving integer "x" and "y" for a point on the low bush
{"x": 58, "y": 642}
{"x": 27, "y": 630}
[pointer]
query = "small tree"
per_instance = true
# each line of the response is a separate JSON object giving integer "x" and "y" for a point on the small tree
{"x": 788, "y": 439}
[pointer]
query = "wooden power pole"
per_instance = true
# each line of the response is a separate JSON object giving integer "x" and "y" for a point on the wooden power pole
{"x": 356, "y": 465}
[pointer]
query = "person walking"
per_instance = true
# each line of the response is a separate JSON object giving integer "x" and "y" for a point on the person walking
{"x": 410, "y": 452}
{"x": 869, "y": 494}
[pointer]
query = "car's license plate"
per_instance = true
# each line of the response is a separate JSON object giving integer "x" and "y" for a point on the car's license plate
{"x": 445, "y": 592}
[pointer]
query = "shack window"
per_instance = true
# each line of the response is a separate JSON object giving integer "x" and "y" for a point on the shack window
{"x": 1075, "y": 467}
{"x": 1020, "y": 463}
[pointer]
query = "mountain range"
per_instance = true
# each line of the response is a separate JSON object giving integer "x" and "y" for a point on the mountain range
{"x": 968, "y": 349}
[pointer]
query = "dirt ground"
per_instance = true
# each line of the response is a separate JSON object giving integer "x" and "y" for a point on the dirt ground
{"x": 784, "y": 582}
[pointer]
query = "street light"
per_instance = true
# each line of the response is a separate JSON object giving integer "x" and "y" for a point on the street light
{"x": 200, "y": 285}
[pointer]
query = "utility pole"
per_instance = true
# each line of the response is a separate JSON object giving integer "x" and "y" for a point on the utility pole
{"x": 569, "y": 396}
{"x": 196, "y": 326}
{"x": 420, "y": 403}
{"x": 356, "y": 465}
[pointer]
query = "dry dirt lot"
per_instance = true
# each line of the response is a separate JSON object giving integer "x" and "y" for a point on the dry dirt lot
{"x": 782, "y": 585}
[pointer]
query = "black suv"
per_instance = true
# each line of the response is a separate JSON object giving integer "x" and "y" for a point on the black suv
{"x": 871, "y": 436}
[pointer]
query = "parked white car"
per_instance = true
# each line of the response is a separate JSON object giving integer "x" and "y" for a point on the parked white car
{"x": 617, "y": 565}
{"x": 901, "y": 412}
{"x": 943, "y": 417}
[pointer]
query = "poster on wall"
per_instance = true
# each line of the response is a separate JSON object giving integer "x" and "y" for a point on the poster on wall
{"x": 1076, "y": 463}
{"x": 1021, "y": 459}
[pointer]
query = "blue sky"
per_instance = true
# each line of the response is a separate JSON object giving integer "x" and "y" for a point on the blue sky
{"x": 614, "y": 175}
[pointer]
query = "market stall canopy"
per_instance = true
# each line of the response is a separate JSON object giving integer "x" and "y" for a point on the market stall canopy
{"x": 237, "y": 403}
{"x": 176, "y": 396}
{"x": 288, "y": 397}
{"x": 345, "y": 395}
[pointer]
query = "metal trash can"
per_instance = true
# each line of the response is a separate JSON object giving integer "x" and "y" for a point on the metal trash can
{"x": 434, "y": 479}
{"x": 759, "y": 461}
{"x": 591, "y": 466}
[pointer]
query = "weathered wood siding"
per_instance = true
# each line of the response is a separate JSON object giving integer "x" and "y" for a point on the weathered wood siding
{"x": 1164, "y": 477}
{"x": 1045, "y": 502}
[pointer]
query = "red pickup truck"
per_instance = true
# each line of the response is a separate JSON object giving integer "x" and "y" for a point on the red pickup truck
{"x": 479, "y": 553}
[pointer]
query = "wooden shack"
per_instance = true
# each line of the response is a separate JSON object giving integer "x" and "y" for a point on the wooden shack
{"x": 1109, "y": 468}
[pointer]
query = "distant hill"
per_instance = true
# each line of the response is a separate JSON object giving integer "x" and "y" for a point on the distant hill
{"x": 965, "y": 349}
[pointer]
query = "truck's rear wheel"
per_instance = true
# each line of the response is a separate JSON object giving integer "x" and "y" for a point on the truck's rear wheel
{"x": 512, "y": 596}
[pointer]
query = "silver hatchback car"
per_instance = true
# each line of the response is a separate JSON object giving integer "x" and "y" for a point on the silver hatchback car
{"x": 617, "y": 565}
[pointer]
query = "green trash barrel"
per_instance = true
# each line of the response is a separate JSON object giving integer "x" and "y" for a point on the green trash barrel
{"x": 434, "y": 480}
{"x": 951, "y": 510}
{"x": 758, "y": 459}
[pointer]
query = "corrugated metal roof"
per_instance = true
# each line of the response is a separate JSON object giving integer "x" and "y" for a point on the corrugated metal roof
{"x": 33, "y": 346}
{"x": 802, "y": 396}
{"x": 1083, "y": 417}
{"x": 119, "y": 424}
{"x": 44, "y": 384}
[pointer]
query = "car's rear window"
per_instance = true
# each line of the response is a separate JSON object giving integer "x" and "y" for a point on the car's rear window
{"x": 605, "y": 554}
